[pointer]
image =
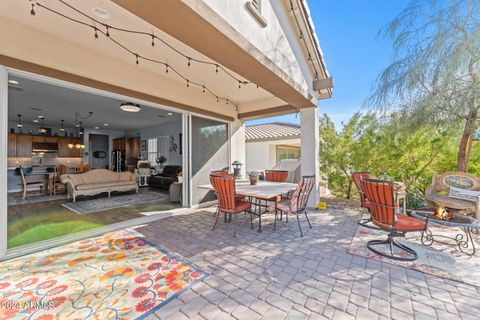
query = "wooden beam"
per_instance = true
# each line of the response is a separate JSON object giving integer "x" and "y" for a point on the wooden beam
{"x": 270, "y": 112}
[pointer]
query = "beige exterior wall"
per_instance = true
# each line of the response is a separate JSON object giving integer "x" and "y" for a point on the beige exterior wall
{"x": 261, "y": 155}
{"x": 278, "y": 40}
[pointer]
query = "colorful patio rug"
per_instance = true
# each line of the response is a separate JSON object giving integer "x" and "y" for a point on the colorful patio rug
{"x": 439, "y": 259}
{"x": 115, "y": 276}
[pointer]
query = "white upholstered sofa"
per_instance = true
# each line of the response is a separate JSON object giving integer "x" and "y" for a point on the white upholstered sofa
{"x": 98, "y": 181}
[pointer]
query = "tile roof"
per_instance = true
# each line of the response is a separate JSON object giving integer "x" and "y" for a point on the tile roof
{"x": 274, "y": 130}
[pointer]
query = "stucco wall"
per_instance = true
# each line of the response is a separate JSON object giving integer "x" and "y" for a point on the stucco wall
{"x": 261, "y": 155}
{"x": 278, "y": 40}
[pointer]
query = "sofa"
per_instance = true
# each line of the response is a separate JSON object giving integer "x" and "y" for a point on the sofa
{"x": 166, "y": 178}
{"x": 439, "y": 192}
{"x": 98, "y": 181}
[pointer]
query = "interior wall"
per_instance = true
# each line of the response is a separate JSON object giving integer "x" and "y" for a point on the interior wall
{"x": 172, "y": 129}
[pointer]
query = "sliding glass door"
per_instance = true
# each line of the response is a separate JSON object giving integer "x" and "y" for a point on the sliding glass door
{"x": 209, "y": 151}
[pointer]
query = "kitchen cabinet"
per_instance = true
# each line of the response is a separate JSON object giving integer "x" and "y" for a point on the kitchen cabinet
{"x": 135, "y": 148}
{"x": 120, "y": 144}
{"x": 65, "y": 152}
{"x": 12, "y": 145}
{"x": 23, "y": 145}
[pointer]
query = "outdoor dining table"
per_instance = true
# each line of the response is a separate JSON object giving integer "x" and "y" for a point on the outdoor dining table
{"x": 262, "y": 191}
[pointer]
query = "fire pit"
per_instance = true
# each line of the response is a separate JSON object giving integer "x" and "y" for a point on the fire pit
{"x": 441, "y": 213}
{"x": 443, "y": 217}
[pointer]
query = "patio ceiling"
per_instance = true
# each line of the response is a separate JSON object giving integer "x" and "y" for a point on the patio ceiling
{"x": 68, "y": 33}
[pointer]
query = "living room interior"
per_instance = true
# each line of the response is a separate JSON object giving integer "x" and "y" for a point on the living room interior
{"x": 79, "y": 160}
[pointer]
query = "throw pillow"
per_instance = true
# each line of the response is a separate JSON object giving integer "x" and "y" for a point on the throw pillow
{"x": 463, "y": 194}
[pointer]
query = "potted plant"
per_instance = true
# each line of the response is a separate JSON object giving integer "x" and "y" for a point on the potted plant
{"x": 180, "y": 177}
{"x": 253, "y": 177}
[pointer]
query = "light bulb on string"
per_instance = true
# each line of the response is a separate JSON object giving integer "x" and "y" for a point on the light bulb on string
{"x": 153, "y": 40}
{"x": 189, "y": 62}
{"x": 107, "y": 33}
{"x": 32, "y": 12}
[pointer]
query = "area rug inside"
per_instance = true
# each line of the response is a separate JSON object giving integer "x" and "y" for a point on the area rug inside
{"x": 16, "y": 198}
{"x": 117, "y": 200}
{"x": 440, "y": 260}
{"x": 115, "y": 276}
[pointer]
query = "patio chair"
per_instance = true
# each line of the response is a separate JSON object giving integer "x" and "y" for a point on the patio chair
{"x": 384, "y": 214}
{"x": 276, "y": 175}
{"x": 357, "y": 178}
{"x": 297, "y": 203}
{"x": 228, "y": 201}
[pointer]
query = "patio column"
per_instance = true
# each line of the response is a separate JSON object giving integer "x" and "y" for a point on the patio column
{"x": 237, "y": 143}
{"x": 310, "y": 150}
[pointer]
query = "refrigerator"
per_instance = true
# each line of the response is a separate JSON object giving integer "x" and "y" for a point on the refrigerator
{"x": 119, "y": 161}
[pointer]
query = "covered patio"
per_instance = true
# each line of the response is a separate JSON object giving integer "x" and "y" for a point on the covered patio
{"x": 278, "y": 275}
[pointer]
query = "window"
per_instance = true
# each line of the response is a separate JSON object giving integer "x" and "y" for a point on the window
{"x": 254, "y": 7}
{"x": 157, "y": 147}
{"x": 287, "y": 152}
{"x": 257, "y": 4}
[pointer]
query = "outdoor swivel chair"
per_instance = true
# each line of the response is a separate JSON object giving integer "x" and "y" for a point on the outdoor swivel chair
{"x": 357, "y": 178}
{"x": 384, "y": 215}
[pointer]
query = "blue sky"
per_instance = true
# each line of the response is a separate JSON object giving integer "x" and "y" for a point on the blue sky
{"x": 347, "y": 30}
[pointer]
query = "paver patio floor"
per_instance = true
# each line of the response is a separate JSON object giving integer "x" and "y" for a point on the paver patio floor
{"x": 279, "y": 275}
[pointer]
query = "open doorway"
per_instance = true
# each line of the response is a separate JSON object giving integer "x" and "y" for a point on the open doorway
{"x": 62, "y": 178}
{"x": 99, "y": 154}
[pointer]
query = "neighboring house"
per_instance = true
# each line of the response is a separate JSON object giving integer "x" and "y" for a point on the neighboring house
{"x": 266, "y": 144}
{"x": 232, "y": 61}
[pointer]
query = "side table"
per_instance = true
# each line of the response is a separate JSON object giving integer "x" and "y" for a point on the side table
{"x": 175, "y": 191}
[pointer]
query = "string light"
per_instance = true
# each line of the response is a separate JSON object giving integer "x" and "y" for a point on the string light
{"x": 203, "y": 89}
{"x": 138, "y": 56}
{"x": 96, "y": 34}
{"x": 150, "y": 34}
{"x": 153, "y": 40}
{"x": 188, "y": 62}
{"x": 108, "y": 33}
{"x": 32, "y": 12}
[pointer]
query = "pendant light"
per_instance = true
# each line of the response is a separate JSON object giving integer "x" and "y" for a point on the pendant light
{"x": 42, "y": 129}
{"x": 19, "y": 124}
{"x": 62, "y": 128}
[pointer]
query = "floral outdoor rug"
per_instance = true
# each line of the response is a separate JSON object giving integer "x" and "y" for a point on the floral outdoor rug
{"x": 117, "y": 200}
{"x": 440, "y": 260}
{"x": 115, "y": 276}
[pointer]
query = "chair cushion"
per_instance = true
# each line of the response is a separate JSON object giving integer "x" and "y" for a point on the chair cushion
{"x": 406, "y": 223}
{"x": 125, "y": 176}
{"x": 100, "y": 185}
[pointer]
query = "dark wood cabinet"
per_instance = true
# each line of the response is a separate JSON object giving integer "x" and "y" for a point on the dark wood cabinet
{"x": 20, "y": 145}
{"x": 23, "y": 145}
{"x": 135, "y": 148}
{"x": 120, "y": 144}
{"x": 12, "y": 145}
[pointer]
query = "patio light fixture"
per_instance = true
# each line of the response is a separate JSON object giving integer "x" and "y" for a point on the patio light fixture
{"x": 42, "y": 128}
{"x": 130, "y": 107}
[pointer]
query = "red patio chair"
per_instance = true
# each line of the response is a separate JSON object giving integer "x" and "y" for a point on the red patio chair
{"x": 228, "y": 201}
{"x": 297, "y": 203}
{"x": 276, "y": 175}
{"x": 380, "y": 195}
{"x": 357, "y": 178}
{"x": 221, "y": 173}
